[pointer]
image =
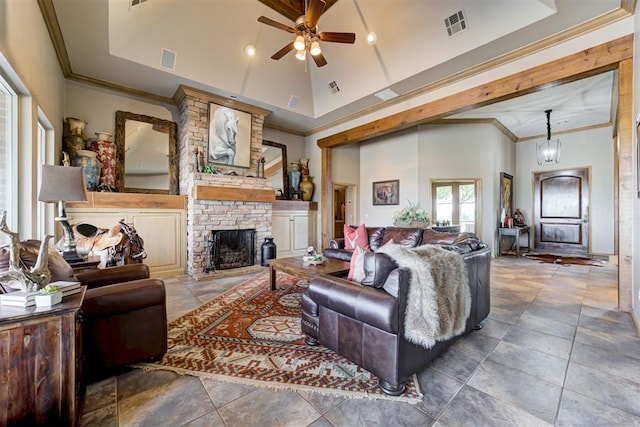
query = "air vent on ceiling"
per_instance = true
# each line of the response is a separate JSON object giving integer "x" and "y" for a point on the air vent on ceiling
{"x": 333, "y": 87}
{"x": 137, "y": 2}
{"x": 293, "y": 101}
{"x": 455, "y": 23}
{"x": 168, "y": 59}
{"x": 387, "y": 94}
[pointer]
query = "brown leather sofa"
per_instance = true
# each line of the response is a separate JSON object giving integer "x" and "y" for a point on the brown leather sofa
{"x": 409, "y": 237}
{"x": 124, "y": 316}
{"x": 365, "y": 323}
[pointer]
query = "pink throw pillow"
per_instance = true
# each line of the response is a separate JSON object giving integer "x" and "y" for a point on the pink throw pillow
{"x": 354, "y": 238}
{"x": 356, "y": 266}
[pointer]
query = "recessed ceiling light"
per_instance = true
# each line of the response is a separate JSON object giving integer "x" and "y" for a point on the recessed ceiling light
{"x": 372, "y": 38}
{"x": 250, "y": 50}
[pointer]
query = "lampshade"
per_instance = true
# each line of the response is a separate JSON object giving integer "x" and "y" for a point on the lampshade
{"x": 301, "y": 55}
{"x": 62, "y": 183}
{"x": 315, "y": 48}
{"x": 548, "y": 151}
{"x": 299, "y": 43}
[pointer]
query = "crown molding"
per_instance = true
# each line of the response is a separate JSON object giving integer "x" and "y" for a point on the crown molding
{"x": 55, "y": 34}
{"x": 284, "y": 129}
{"x": 191, "y": 92}
{"x": 563, "y": 132}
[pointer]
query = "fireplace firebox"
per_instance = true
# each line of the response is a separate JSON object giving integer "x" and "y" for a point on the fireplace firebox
{"x": 231, "y": 249}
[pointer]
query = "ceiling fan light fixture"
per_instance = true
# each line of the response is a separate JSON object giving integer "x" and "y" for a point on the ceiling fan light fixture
{"x": 548, "y": 151}
{"x": 299, "y": 43}
{"x": 315, "y": 48}
{"x": 372, "y": 38}
{"x": 301, "y": 54}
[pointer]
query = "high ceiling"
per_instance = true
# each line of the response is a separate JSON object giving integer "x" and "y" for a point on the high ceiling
{"x": 115, "y": 42}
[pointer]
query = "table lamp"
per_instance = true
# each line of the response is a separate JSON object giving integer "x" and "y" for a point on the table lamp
{"x": 63, "y": 184}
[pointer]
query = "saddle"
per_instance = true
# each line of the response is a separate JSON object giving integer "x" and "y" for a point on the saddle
{"x": 89, "y": 238}
{"x": 121, "y": 243}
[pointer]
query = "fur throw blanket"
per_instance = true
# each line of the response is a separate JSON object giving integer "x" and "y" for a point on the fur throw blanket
{"x": 439, "y": 300}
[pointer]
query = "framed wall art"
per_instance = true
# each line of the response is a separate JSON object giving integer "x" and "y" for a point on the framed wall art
{"x": 506, "y": 195}
{"x": 229, "y": 136}
{"x": 386, "y": 192}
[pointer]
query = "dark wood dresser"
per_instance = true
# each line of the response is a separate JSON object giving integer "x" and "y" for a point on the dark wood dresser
{"x": 40, "y": 363}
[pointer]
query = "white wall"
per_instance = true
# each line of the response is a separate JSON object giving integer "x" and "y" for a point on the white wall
{"x": 387, "y": 158}
{"x": 587, "y": 149}
{"x": 26, "y": 46}
{"x": 98, "y": 107}
{"x": 471, "y": 151}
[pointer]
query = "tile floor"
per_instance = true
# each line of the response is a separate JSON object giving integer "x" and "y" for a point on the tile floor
{"x": 554, "y": 351}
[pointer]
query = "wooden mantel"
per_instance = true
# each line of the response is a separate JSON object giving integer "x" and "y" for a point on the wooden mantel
{"x": 233, "y": 194}
{"x": 97, "y": 199}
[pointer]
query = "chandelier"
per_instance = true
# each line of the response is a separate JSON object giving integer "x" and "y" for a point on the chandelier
{"x": 548, "y": 152}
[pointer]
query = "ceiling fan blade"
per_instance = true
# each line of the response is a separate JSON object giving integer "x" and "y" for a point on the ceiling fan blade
{"x": 337, "y": 37}
{"x": 319, "y": 60}
{"x": 314, "y": 10}
{"x": 276, "y": 24}
{"x": 282, "y": 52}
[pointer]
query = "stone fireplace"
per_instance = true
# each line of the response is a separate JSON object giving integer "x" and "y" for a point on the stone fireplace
{"x": 234, "y": 199}
{"x": 231, "y": 249}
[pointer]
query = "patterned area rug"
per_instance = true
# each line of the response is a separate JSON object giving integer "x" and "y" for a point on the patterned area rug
{"x": 252, "y": 335}
{"x": 565, "y": 260}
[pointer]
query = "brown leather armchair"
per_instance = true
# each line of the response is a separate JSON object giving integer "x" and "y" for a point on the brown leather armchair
{"x": 124, "y": 317}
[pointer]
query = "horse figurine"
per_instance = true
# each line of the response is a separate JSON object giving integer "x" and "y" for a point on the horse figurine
{"x": 222, "y": 146}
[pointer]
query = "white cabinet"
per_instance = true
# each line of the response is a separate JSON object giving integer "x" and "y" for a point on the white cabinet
{"x": 163, "y": 231}
{"x": 293, "y": 231}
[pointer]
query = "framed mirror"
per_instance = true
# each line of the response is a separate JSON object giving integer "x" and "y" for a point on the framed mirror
{"x": 146, "y": 152}
{"x": 275, "y": 167}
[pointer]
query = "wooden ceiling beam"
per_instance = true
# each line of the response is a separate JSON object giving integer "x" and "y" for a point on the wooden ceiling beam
{"x": 570, "y": 68}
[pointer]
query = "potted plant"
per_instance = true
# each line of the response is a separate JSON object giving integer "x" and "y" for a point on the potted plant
{"x": 412, "y": 216}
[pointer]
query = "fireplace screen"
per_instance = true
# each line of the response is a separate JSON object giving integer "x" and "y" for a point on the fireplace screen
{"x": 231, "y": 249}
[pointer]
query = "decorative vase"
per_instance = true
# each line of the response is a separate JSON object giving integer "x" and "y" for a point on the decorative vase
{"x": 304, "y": 166}
{"x": 73, "y": 144}
{"x": 103, "y": 136}
{"x": 90, "y": 167}
{"x": 76, "y": 126}
{"x": 106, "y": 151}
{"x": 307, "y": 187}
{"x": 268, "y": 251}
{"x": 294, "y": 180}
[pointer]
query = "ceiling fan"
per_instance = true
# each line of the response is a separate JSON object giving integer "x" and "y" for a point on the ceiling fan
{"x": 307, "y": 35}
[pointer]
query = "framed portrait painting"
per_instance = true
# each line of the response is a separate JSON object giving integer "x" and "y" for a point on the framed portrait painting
{"x": 229, "y": 136}
{"x": 386, "y": 192}
{"x": 506, "y": 194}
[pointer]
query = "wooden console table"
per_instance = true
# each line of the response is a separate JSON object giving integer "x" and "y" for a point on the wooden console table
{"x": 517, "y": 232}
{"x": 40, "y": 363}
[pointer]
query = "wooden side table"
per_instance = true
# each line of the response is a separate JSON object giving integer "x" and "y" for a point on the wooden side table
{"x": 517, "y": 232}
{"x": 41, "y": 348}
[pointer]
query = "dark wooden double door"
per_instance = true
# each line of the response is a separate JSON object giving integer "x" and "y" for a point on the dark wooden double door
{"x": 561, "y": 211}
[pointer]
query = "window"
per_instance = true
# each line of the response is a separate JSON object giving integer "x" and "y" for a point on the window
{"x": 455, "y": 201}
{"x": 45, "y": 137}
{"x": 8, "y": 134}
